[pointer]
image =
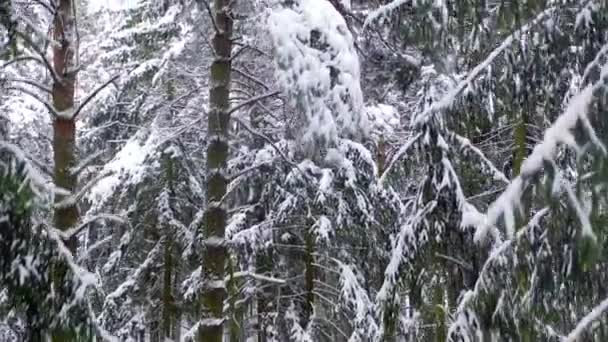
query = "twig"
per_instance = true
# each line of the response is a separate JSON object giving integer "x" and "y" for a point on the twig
{"x": 92, "y": 95}
{"x": 253, "y": 100}
{"x": 269, "y": 141}
{"x": 460, "y": 263}
{"x": 37, "y": 98}
{"x": 32, "y": 83}
{"x": 260, "y": 277}
{"x": 210, "y": 12}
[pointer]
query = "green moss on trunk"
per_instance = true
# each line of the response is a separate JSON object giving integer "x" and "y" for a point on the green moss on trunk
{"x": 215, "y": 254}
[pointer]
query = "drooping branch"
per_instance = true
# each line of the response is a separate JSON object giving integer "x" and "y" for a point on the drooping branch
{"x": 32, "y": 83}
{"x": 448, "y": 99}
{"x": 37, "y": 97}
{"x": 259, "y": 277}
{"x": 585, "y": 322}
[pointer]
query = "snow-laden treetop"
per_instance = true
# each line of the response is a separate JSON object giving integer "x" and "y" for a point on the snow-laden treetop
{"x": 319, "y": 69}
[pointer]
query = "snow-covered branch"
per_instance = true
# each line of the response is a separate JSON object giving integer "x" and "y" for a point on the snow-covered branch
{"x": 398, "y": 155}
{"x": 42, "y": 186}
{"x": 448, "y": 99}
{"x": 256, "y": 276}
{"x": 496, "y": 253}
{"x": 383, "y": 11}
{"x": 561, "y": 132}
{"x": 585, "y": 322}
{"x": 92, "y": 95}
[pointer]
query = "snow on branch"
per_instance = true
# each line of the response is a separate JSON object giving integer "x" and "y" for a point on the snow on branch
{"x": 71, "y": 233}
{"x": 448, "y": 99}
{"x": 398, "y": 155}
{"x": 256, "y": 276}
{"x": 471, "y": 217}
{"x": 482, "y": 281}
{"x": 383, "y": 11}
{"x": 403, "y": 250}
{"x": 561, "y": 132}
{"x": 318, "y": 66}
{"x": 85, "y": 280}
{"x": 466, "y": 144}
{"x": 38, "y": 181}
{"x": 131, "y": 283}
{"x": 253, "y": 100}
{"x": 36, "y": 97}
{"x": 91, "y": 96}
{"x": 75, "y": 198}
{"x": 595, "y": 63}
{"x": 351, "y": 291}
{"x": 127, "y": 166}
{"x": 583, "y": 324}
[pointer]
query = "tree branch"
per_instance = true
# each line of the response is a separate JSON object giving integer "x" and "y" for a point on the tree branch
{"x": 71, "y": 233}
{"x": 460, "y": 263}
{"x": 92, "y": 96}
{"x": 253, "y": 100}
{"x": 584, "y": 323}
{"x": 32, "y": 83}
{"x": 260, "y": 277}
{"x": 205, "y": 4}
{"x": 269, "y": 141}
{"x": 37, "y": 97}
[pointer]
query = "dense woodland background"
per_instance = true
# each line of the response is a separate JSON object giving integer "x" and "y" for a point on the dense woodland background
{"x": 303, "y": 170}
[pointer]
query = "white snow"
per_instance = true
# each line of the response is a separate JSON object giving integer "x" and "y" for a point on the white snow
{"x": 560, "y": 132}
{"x": 355, "y": 295}
{"x": 127, "y": 165}
{"x": 384, "y": 10}
{"x": 586, "y": 321}
{"x": 448, "y": 99}
{"x": 113, "y": 5}
{"x": 332, "y": 104}
{"x": 384, "y": 119}
{"x": 323, "y": 228}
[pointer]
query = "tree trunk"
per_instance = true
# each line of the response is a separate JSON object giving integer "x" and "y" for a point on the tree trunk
{"x": 64, "y": 137}
{"x": 309, "y": 279}
{"x": 381, "y": 156}
{"x": 63, "y": 101}
{"x": 264, "y": 294}
{"x": 520, "y": 138}
{"x": 168, "y": 318}
{"x": 214, "y": 251}
{"x": 168, "y": 312}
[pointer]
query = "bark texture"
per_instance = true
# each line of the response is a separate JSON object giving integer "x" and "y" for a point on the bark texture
{"x": 214, "y": 250}
{"x": 64, "y": 127}
{"x": 64, "y": 138}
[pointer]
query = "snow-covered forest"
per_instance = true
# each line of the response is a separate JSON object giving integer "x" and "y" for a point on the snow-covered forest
{"x": 303, "y": 170}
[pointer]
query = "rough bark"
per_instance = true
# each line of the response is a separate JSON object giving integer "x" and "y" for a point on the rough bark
{"x": 214, "y": 251}
{"x": 309, "y": 279}
{"x": 64, "y": 129}
{"x": 520, "y": 138}
{"x": 168, "y": 307}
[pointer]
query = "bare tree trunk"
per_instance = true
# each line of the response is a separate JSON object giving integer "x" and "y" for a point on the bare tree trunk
{"x": 381, "y": 156}
{"x": 309, "y": 279}
{"x": 214, "y": 251}
{"x": 520, "y": 137}
{"x": 63, "y": 101}
{"x": 64, "y": 137}
{"x": 168, "y": 312}
{"x": 64, "y": 129}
